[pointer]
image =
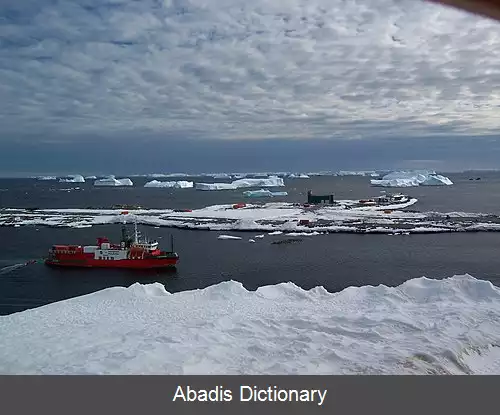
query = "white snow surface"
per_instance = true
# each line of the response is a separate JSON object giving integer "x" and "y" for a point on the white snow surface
{"x": 111, "y": 181}
{"x": 271, "y": 181}
{"x": 180, "y": 184}
{"x": 77, "y": 178}
{"x": 267, "y": 217}
{"x": 411, "y": 179}
{"x": 423, "y": 326}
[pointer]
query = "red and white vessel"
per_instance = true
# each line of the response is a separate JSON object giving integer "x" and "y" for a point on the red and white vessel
{"x": 129, "y": 253}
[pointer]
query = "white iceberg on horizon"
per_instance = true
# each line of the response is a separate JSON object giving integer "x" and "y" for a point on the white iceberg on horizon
{"x": 215, "y": 186}
{"x": 112, "y": 182}
{"x": 411, "y": 179}
{"x": 77, "y": 178}
{"x": 181, "y": 184}
{"x": 43, "y": 178}
{"x": 263, "y": 193}
{"x": 298, "y": 176}
{"x": 271, "y": 181}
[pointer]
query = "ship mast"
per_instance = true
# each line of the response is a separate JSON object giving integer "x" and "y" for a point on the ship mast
{"x": 136, "y": 234}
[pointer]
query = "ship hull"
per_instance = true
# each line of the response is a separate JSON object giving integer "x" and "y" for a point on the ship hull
{"x": 122, "y": 264}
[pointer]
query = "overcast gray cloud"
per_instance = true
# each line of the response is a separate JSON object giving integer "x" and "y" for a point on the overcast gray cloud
{"x": 237, "y": 69}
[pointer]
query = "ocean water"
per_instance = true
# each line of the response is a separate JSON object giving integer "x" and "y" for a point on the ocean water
{"x": 333, "y": 261}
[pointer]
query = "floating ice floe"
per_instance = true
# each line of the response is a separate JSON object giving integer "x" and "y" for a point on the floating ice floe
{"x": 263, "y": 193}
{"x": 271, "y": 181}
{"x": 77, "y": 178}
{"x": 423, "y": 326}
{"x": 181, "y": 184}
{"x": 90, "y": 177}
{"x": 411, "y": 179}
{"x": 229, "y": 237}
{"x": 111, "y": 181}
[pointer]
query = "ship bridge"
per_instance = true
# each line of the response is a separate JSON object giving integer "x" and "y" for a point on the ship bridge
{"x": 148, "y": 246}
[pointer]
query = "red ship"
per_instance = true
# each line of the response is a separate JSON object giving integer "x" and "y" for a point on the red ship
{"x": 130, "y": 253}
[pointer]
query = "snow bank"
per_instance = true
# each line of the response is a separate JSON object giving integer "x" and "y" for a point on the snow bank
{"x": 111, "y": 181}
{"x": 346, "y": 216}
{"x": 181, "y": 184}
{"x": 72, "y": 179}
{"x": 271, "y": 181}
{"x": 411, "y": 179}
{"x": 423, "y": 326}
{"x": 263, "y": 193}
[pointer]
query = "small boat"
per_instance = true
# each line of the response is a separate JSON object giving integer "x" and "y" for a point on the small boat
{"x": 131, "y": 252}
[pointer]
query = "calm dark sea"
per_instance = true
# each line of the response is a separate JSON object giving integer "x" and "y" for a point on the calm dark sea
{"x": 334, "y": 261}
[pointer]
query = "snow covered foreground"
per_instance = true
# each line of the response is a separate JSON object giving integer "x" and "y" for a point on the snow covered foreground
{"x": 424, "y": 326}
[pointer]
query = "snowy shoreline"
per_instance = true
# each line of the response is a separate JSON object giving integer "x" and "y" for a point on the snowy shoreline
{"x": 267, "y": 217}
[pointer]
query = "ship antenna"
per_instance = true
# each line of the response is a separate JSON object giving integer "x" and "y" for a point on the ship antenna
{"x": 124, "y": 228}
{"x": 172, "y": 242}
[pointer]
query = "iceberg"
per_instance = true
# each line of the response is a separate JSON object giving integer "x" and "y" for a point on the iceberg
{"x": 77, "y": 178}
{"x": 263, "y": 193}
{"x": 298, "y": 176}
{"x": 356, "y": 173}
{"x": 145, "y": 329}
{"x": 219, "y": 175}
{"x": 215, "y": 186}
{"x": 111, "y": 181}
{"x": 181, "y": 184}
{"x": 90, "y": 177}
{"x": 271, "y": 181}
{"x": 411, "y": 179}
{"x": 46, "y": 178}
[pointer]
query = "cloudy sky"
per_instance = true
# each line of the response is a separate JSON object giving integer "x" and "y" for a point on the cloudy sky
{"x": 171, "y": 85}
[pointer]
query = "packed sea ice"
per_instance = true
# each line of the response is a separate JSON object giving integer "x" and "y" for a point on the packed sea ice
{"x": 423, "y": 326}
